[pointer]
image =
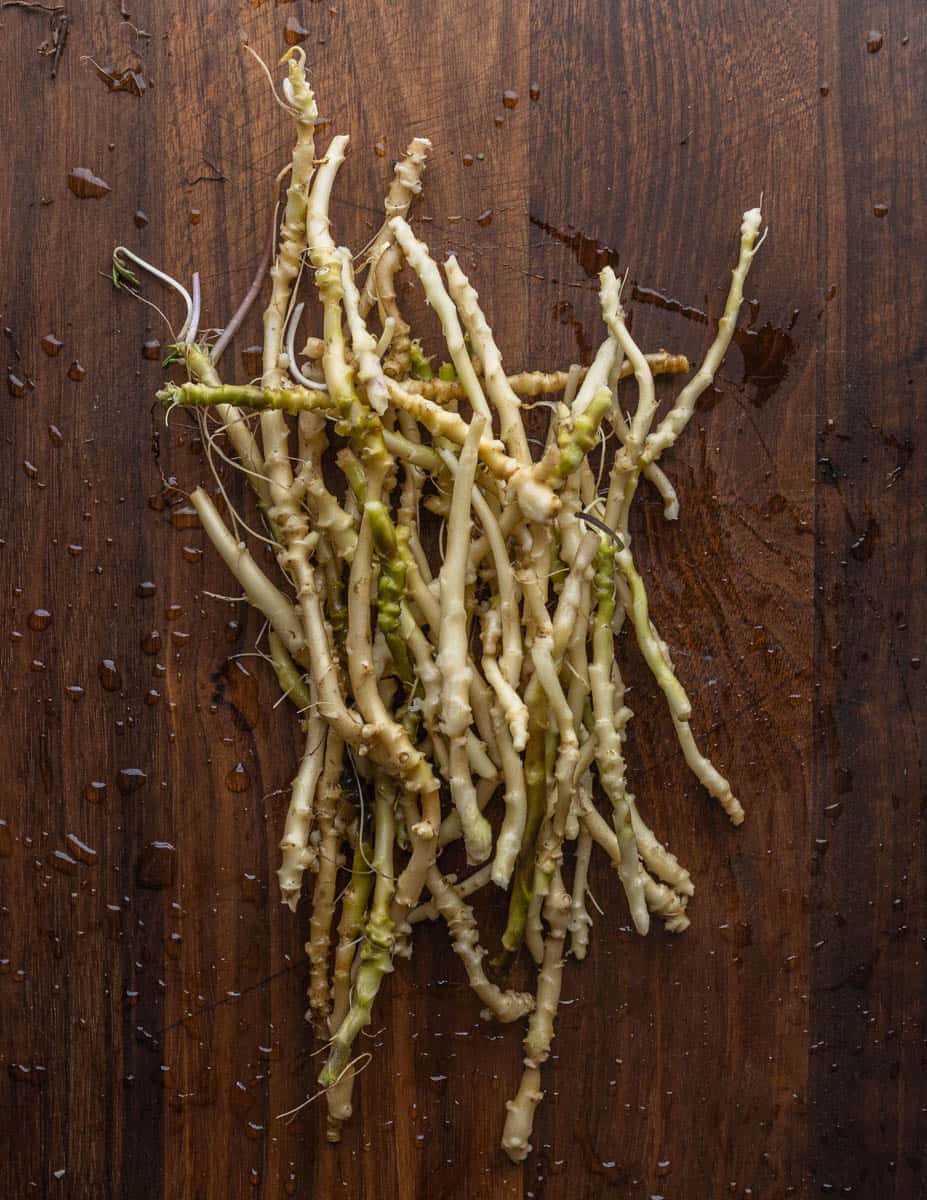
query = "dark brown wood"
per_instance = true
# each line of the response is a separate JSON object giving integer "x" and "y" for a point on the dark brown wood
{"x": 152, "y": 987}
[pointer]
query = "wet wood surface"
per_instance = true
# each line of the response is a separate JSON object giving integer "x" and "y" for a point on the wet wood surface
{"x": 153, "y": 988}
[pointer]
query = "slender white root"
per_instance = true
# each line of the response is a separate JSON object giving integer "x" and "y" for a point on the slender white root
{"x": 463, "y": 887}
{"x": 580, "y": 920}
{"x": 297, "y": 852}
{"x": 503, "y": 1005}
{"x": 520, "y": 1111}
{"x": 679, "y": 416}
{"x": 656, "y": 857}
{"x": 452, "y": 660}
{"x": 501, "y": 393}
{"x": 331, "y": 831}
{"x": 264, "y": 595}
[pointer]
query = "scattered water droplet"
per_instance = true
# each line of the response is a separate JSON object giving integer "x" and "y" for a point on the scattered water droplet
{"x": 146, "y": 589}
{"x": 130, "y": 779}
{"x": 379, "y": 148}
{"x": 196, "y": 216}
{"x": 185, "y": 517}
{"x": 467, "y": 160}
{"x": 76, "y": 372}
{"x": 155, "y": 866}
{"x": 152, "y": 697}
{"x": 39, "y": 619}
{"x": 140, "y": 218}
{"x": 233, "y": 631}
{"x": 95, "y": 792}
{"x": 874, "y": 41}
{"x": 55, "y": 436}
{"x": 63, "y": 862}
{"x": 238, "y": 779}
{"x": 534, "y": 91}
{"x": 15, "y": 384}
{"x": 880, "y": 210}
{"x": 151, "y": 642}
{"x": 485, "y": 218}
{"x": 74, "y": 549}
{"x": 151, "y": 349}
{"x": 81, "y": 850}
{"x": 87, "y": 186}
{"x": 824, "y": 89}
{"x": 36, "y": 665}
{"x": 193, "y": 554}
{"x": 30, "y": 469}
{"x": 499, "y": 120}
{"x": 109, "y": 676}
{"x": 173, "y": 612}
{"x": 6, "y": 840}
{"x": 510, "y": 98}
{"x": 51, "y": 345}
{"x": 294, "y": 31}
{"x": 74, "y": 692}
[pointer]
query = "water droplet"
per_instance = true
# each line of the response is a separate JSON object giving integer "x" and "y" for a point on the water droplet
{"x": 824, "y": 89}
{"x": 499, "y": 120}
{"x": 95, "y": 792}
{"x": 173, "y": 612}
{"x": 15, "y": 384}
{"x": 152, "y": 697}
{"x": 30, "y": 469}
{"x": 238, "y": 779}
{"x": 81, "y": 850}
{"x": 146, "y": 589}
{"x": 130, "y": 779}
{"x": 51, "y": 345}
{"x": 880, "y": 210}
{"x": 87, "y": 186}
{"x": 63, "y": 862}
{"x": 74, "y": 550}
{"x": 151, "y": 642}
{"x": 294, "y": 31}
{"x": 510, "y": 98}
{"x": 534, "y": 90}
{"x": 180, "y": 636}
{"x": 196, "y": 216}
{"x": 379, "y": 148}
{"x": 39, "y": 619}
{"x": 874, "y": 41}
{"x": 151, "y": 349}
{"x": 155, "y": 866}
{"x": 140, "y": 218}
{"x": 55, "y": 436}
{"x": 290, "y": 1185}
{"x": 233, "y": 631}
{"x": 36, "y": 665}
{"x": 250, "y": 888}
{"x": 193, "y": 554}
{"x": 485, "y": 218}
{"x": 74, "y": 692}
{"x": 109, "y": 676}
{"x": 76, "y": 372}
{"x": 467, "y": 160}
{"x": 6, "y": 840}
{"x": 915, "y": 664}
{"x": 185, "y": 517}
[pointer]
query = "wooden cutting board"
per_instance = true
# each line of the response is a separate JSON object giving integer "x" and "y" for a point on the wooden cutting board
{"x": 152, "y": 995}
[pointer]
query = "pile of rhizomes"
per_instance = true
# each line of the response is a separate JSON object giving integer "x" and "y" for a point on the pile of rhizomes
{"x": 426, "y": 680}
